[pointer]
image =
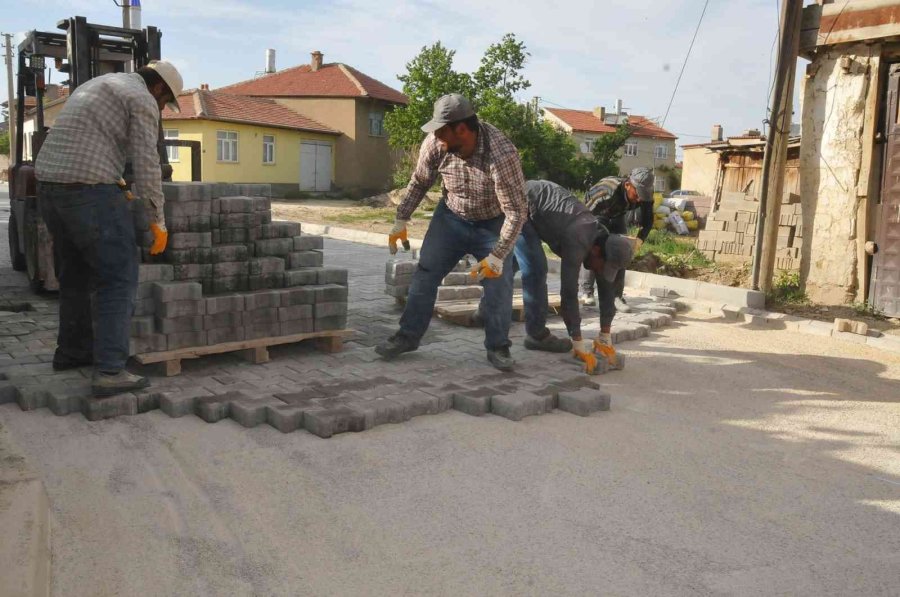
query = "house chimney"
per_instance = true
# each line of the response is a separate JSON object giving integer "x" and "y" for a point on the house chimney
{"x": 717, "y": 133}
{"x": 270, "y": 61}
{"x": 316, "y": 62}
{"x": 619, "y": 107}
{"x": 204, "y": 86}
{"x": 600, "y": 112}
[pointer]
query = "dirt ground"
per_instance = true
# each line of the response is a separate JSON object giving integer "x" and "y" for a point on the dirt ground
{"x": 360, "y": 216}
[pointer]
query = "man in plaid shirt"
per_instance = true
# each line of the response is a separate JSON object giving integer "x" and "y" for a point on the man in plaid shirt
{"x": 481, "y": 213}
{"x": 107, "y": 121}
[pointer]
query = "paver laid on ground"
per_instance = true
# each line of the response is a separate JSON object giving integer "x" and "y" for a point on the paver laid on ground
{"x": 299, "y": 388}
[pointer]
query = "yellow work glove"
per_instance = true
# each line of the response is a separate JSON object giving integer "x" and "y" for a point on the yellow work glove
{"x": 581, "y": 352}
{"x": 604, "y": 347}
{"x": 489, "y": 267}
{"x": 160, "y": 239}
{"x": 398, "y": 232}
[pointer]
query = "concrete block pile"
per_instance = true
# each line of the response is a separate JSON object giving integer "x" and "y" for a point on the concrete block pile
{"x": 730, "y": 232}
{"x": 230, "y": 274}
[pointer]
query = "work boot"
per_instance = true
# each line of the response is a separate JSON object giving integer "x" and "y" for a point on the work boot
{"x": 549, "y": 343}
{"x": 621, "y": 305}
{"x": 501, "y": 359}
{"x": 110, "y": 384}
{"x": 395, "y": 346}
{"x": 62, "y": 362}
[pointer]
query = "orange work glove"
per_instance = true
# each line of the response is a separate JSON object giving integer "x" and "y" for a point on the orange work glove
{"x": 398, "y": 232}
{"x": 160, "y": 239}
{"x": 489, "y": 267}
{"x": 580, "y": 351}
{"x": 604, "y": 347}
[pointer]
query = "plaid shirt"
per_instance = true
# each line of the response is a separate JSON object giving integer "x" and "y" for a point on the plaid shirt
{"x": 108, "y": 120}
{"x": 482, "y": 187}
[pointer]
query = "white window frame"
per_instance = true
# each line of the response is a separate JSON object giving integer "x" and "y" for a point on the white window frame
{"x": 589, "y": 145}
{"x": 630, "y": 149}
{"x": 376, "y": 118}
{"x": 659, "y": 184}
{"x": 171, "y": 152}
{"x": 268, "y": 157}
{"x": 227, "y": 147}
{"x": 661, "y": 152}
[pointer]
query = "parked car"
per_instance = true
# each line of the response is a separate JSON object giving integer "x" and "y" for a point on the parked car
{"x": 683, "y": 193}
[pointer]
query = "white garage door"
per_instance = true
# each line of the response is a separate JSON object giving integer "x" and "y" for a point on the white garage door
{"x": 315, "y": 166}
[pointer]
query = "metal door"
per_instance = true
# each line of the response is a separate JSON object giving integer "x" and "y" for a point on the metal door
{"x": 315, "y": 166}
{"x": 885, "y": 287}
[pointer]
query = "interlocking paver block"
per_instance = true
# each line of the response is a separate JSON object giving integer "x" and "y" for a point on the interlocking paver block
{"x": 274, "y": 247}
{"x": 303, "y": 295}
{"x": 459, "y": 293}
{"x": 151, "y": 343}
{"x": 301, "y": 277}
{"x": 261, "y": 316}
{"x": 189, "y": 240}
{"x": 226, "y": 253}
{"x": 227, "y": 284}
{"x": 308, "y": 242}
{"x": 298, "y": 259}
{"x": 331, "y": 275}
{"x": 8, "y": 392}
{"x": 251, "y": 412}
{"x": 379, "y": 411}
{"x": 227, "y": 269}
{"x": 174, "y": 309}
{"x": 222, "y": 335}
{"x": 164, "y": 292}
{"x": 69, "y": 398}
{"x": 232, "y": 205}
{"x": 249, "y": 221}
{"x": 518, "y": 405}
{"x": 323, "y": 310}
{"x": 331, "y": 293}
{"x": 263, "y": 299}
{"x": 174, "y": 325}
{"x": 266, "y": 265}
{"x": 186, "y": 339}
{"x": 141, "y": 327}
{"x": 396, "y": 291}
{"x": 280, "y": 230}
{"x": 225, "y": 319}
{"x": 336, "y": 322}
{"x": 295, "y": 312}
{"x": 398, "y": 267}
{"x": 32, "y": 397}
{"x": 177, "y": 403}
{"x": 224, "y": 304}
{"x": 96, "y": 409}
{"x": 285, "y": 417}
{"x": 155, "y": 272}
{"x": 420, "y": 403}
{"x": 213, "y": 409}
{"x": 147, "y": 400}
{"x": 297, "y": 326}
{"x": 192, "y": 271}
{"x": 254, "y": 331}
{"x": 326, "y": 422}
{"x": 583, "y": 402}
{"x": 473, "y": 402}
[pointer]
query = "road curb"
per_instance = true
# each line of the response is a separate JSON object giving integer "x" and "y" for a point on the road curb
{"x": 24, "y": 526}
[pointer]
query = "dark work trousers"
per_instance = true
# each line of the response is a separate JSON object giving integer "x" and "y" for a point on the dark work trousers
{"x": 97, "y": 265}
{"x": 448, "y": 239}
{"x": 616, "y": 225}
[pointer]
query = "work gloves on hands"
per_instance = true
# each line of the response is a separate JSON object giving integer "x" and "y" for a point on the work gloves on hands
{"x": 584, "y": 354}
{"x": 160, "y": 238}
{"x": 398, "y": 233}
{"x": 489, "y": 267}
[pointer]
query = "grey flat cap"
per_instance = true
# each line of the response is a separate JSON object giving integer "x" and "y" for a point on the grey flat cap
{"x": 642, "y": 178}
{"x": 452, "y": 107}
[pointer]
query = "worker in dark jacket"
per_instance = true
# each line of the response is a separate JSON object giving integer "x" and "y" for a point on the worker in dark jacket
{"x": 558, "y": 218}
{"x": 610, "y": 200}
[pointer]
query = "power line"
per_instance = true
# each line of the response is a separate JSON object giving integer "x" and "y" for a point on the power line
{"x": 691, "y": 47}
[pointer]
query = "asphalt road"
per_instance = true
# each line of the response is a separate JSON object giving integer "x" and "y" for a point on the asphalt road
{"x": 733, "y": 462}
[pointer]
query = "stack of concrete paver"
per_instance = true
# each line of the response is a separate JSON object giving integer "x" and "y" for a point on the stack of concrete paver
{"x": 730, "y": 232}
{"x": 231, "y": 274}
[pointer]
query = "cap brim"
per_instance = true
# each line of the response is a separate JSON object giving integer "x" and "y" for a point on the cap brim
{"x": 644, "y": 194}
{"x": 610, "y": 272}
{"x": 432, "y": 125}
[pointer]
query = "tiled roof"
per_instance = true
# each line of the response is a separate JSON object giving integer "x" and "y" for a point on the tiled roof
{"x": 331, "y": 80}
{"x": 199, "y": 104}
{"x": 586, "y": 121}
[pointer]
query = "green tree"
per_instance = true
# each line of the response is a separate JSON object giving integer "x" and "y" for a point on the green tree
{"x": 602, "y": 161}
{"x": 4, "y": 143}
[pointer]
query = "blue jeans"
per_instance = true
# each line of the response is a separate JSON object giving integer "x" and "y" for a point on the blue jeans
{"x": 448, "y": 239}
{"x": 532, "y": 262}
{"x": 97, "y": 266}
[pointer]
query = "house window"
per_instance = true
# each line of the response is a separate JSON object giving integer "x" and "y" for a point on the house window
{"x": 268, "y": 149}
{"x": 631, "y": 149}
{"x": 587, "y": 146}
{"x": 171, "y": 151}
{"x": 661, "y": 152}
{"x": 659, "y": 184}
{"x": 376, "y": 124}
{"x": 226, "y": 146}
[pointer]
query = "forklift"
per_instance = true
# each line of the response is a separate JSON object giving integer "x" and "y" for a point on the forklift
{"x": 84, "y": 51}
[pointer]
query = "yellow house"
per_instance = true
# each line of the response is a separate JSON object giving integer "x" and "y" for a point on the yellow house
{"x": 251, "y": 140}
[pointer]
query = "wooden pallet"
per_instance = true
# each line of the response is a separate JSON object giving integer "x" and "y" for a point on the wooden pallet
{"x": 461, "y": 312}
{"x": 255, "y": 351}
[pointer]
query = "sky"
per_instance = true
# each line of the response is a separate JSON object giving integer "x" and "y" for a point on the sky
{"x": 583, "y": 53}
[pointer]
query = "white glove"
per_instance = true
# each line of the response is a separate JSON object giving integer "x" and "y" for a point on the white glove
{"x": 398, "y": 234}
{"x": 604, "y": 338}
{"x": 580, "y": 345}
{"x": 399, "y": 226}
{"x": 489, "y": 267}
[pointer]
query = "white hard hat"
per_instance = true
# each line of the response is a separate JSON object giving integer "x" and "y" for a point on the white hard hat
{"x": 170, "y": 75}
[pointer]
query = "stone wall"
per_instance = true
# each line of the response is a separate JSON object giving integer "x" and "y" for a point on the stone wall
{"x": 833, "y": 175}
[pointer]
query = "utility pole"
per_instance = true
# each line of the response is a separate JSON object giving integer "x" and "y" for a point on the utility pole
{"x": 775, "y": 158}
{"x": 11, "y": 97}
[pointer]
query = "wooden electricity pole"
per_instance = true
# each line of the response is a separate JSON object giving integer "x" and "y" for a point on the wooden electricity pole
{"x": 11, "y": 100}
{"x": 775, "y": 158}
